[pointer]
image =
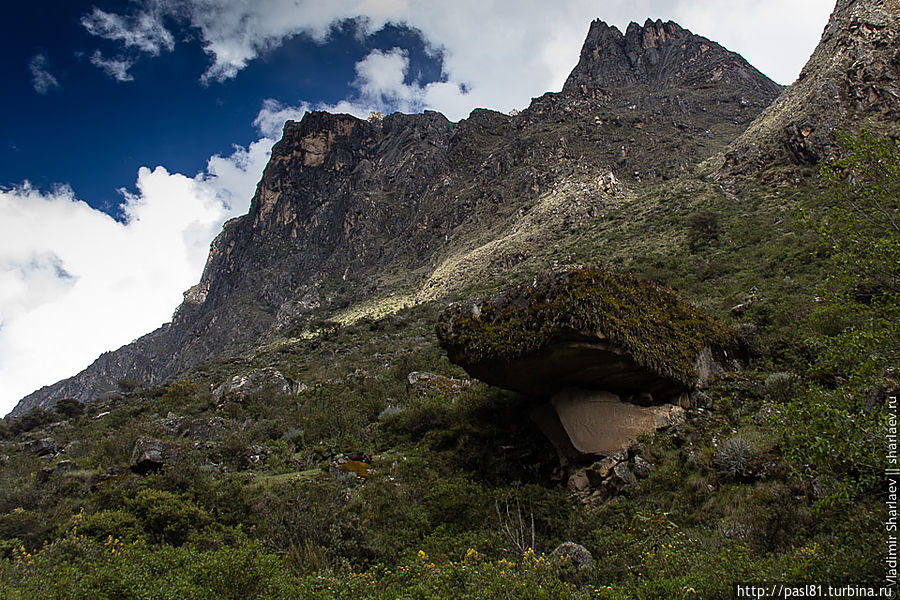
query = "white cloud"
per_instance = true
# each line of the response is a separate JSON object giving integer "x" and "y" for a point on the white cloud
{"x": 270, "y": 120}
{"x": 41, "y": 79}
{"x": 75, "y": 282}
{"x": 117, "y": 68}
{"x": 380, "y": 86}
{"x": 495, "y": 54}
{"x": 144, "y": 31}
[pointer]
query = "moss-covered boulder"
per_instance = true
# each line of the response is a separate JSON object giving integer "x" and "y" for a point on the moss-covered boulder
{"x": 586, "y": 328}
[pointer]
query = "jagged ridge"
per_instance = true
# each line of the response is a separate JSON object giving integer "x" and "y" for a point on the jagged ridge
{"x": 662, "y": 55}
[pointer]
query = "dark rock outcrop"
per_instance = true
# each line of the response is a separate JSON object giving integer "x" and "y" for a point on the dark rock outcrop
{"x": 150, "y": 455}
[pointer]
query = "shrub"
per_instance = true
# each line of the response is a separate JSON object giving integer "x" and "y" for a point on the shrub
{"x": 118, "y": 524}
{"x": 782, "y": 387}
{"x": 166, "y": 517}
{"x": 702, "y": 229}
{"x": 732, "y": 458}
{"x": 69, "y": 408}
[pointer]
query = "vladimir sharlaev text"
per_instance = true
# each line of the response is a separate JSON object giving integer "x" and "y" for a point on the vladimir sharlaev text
{"x": 892, "y": 475}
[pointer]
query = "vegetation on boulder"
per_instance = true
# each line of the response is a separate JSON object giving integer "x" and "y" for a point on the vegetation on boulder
{"x": 662, "y": 332}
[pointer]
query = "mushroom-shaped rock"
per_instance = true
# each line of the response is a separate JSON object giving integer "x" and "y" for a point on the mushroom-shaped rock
{"x": 586, "y": 328}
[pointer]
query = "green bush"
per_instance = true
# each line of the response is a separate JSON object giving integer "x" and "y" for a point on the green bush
{"x": 166, "y": 517}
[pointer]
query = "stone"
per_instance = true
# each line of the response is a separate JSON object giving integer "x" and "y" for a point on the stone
{"x": 602, "y": 469}
{"x": 623, "y": 474}
{"x": 576, "y": 554}
{"x": 254, "y": 382}
{"x": 420, "y": 384}
{"x": 587, "y": 328}
{"x": 641, "y": 468}
{"x": 599, "y": 423}
{"x": 257, "y": 454}
{"x": 151, "y": 454}
{"x": 578, "y": 482}
{"x": 41, "y": 447}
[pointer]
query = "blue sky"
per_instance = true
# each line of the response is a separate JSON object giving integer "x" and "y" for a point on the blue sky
{"x": 74, "y": 124}
{"x": 132, "y": 129}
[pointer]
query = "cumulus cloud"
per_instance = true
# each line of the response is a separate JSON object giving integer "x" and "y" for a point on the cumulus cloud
{"x": 41, "y": 79}
{"x": 380, "y": 85}
{"x": 117, "y": 68}
{"x": 74, "y": 282}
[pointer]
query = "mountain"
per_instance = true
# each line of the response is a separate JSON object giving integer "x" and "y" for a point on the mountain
{"x": 679, "y": 385}
{"x": 851, "y": 81}
{"x": 360, "y": 217}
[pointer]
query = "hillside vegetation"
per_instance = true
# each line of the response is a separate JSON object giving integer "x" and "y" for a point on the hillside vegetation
{"x": 363, "y": 486}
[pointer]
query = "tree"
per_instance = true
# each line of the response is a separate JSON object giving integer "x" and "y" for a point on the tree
{"x": 69, "y": 408}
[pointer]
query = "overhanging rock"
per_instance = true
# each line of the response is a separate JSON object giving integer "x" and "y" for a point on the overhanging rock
{"x": 608, "y": 356}
{"x": 586, "y": 328}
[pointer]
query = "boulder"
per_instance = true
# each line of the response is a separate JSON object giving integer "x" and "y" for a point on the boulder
{"x": 254, "y": 382}
{"x": 583, "y": 423}
{"x": 576, "y": 554}
{"x": 586, "y": 328}
{"x": 420, "y": 383}
{"x": 42, "y": 446}
{"x": 641, "y": 468}
{"x": 151, "y": 455}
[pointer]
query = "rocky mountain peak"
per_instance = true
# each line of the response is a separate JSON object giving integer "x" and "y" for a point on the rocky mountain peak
{"x": 660, "y": 55}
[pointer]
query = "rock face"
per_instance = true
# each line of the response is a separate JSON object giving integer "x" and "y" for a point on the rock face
{"x": 851, "y": 81}
{"x": 586, "y": 328}
{"x": 599, "y": 423}
{"x": 349, "y": 209}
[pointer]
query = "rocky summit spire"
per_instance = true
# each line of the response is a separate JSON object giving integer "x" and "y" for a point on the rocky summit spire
{"x": 660, "y": 55}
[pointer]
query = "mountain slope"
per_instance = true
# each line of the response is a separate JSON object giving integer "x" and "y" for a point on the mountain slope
{"x": 413, "y": 207}
{"x": 851, "y": 81}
